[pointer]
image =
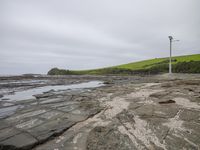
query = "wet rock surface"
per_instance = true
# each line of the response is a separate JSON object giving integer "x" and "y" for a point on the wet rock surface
{"x": 150, "y": 112}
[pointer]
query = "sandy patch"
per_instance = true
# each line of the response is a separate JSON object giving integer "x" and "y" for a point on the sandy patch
{"x": 116, "y": 106}
{"x": 77, "y": 137}
{"x": 186, "y": 103}
{"x": 143, "y": 93}
{"x": 175, "y": 123}
{"x": 141, "y": 132}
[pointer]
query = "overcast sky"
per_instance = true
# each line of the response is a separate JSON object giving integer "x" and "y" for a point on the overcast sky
{"x": 36, "y": 35}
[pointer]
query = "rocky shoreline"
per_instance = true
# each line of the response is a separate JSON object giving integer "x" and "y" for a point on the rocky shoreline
{"x": 128, "y": 112}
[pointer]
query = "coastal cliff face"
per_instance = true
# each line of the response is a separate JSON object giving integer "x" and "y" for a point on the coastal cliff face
{"x": 124, "y": 113}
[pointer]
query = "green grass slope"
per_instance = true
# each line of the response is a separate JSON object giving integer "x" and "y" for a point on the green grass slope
{"x": 180, "y": 64}
{"x": 148, "y": 63}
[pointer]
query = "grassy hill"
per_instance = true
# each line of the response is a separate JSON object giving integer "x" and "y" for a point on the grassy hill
{"x": 180, "y": 64}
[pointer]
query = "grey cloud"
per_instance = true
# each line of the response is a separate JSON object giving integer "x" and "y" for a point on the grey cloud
{"x": 90, "y": 34}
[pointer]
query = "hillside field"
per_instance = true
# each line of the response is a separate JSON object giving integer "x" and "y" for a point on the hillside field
{"x": 180, "y": 64}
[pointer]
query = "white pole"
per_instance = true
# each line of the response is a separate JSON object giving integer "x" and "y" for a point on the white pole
{"x": 170, "y": 58}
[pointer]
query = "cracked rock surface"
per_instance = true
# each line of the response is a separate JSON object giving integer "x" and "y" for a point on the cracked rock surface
{"x": 160, "y": 112}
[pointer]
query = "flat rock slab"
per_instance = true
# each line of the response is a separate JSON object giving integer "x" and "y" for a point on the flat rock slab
{"x": 126, "y": 114}
{"x": 133, "y": 118}
{"x": 19, "y": 141}
{"x": 108, "y": 138}
{"x": 43, "y": 118}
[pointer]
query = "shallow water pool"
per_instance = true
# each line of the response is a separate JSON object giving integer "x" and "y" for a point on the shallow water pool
{"x": 28, "y": 94}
